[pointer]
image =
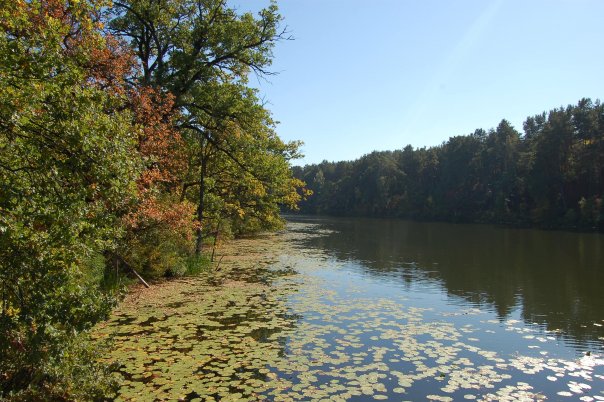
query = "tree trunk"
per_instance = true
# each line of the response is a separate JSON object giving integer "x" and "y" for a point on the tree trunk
{"x": 200, "y": 205}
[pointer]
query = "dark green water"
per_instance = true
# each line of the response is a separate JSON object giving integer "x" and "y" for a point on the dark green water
{"x": 464, "y": 311}
{"x": 553, "y": 279}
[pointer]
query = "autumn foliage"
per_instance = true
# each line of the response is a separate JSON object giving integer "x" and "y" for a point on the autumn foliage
{"x": 116, "y": 155}
{"x": 163, "y": 153}
{"x": 68, "y": 167}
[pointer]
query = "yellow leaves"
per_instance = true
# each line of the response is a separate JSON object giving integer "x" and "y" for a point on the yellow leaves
{"x": 235, "y": 209}
{"x": 297, "y": 184}
{"x": 257, "y": 189}
{"x": 12, "y": 312}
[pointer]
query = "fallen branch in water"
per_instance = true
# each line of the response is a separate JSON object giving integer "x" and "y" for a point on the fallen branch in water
{"x": 140, "y": 278}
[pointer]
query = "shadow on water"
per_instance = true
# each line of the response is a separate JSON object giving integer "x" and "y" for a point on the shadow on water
{"x": 555, "y": 278}
{"x": 206, "y": 341}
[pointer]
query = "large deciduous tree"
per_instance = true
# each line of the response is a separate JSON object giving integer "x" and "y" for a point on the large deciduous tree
{"x": 202, "y": 52}
{"x": 112, "y": 153}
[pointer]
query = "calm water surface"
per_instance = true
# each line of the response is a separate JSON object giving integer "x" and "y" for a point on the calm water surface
{"x": 361, "y": 310}
{"x": 525, "y": 304}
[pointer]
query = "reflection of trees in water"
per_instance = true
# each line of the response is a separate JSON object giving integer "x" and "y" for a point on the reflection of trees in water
{"x": 556, "y": 277}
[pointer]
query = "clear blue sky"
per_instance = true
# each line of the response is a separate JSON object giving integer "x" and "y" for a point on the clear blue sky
{"x": 378, "y": 75}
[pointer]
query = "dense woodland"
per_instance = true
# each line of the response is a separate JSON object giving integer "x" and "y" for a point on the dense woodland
{"x": 128, "y": 138}
{"x": 550, "y": 176}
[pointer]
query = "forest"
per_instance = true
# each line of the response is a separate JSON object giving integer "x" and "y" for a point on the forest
{"x": 129, "y": 138}
{"x": 549, "y": 176}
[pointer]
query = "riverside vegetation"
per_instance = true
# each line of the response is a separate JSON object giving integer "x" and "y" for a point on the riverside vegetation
{"x": 551, "y": 176}
{"x": 129, "y": 139}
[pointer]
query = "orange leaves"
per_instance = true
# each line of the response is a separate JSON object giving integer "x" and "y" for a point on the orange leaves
{"x": 47, "y": 10}
{"x": 153, "y": 212}
{"x": 72, "y": 19}
{"x": 162, "y": 149}
{"x": 72, "y": 31}
{"x": 110, "y": 63}
{"x": 160, "y": 144}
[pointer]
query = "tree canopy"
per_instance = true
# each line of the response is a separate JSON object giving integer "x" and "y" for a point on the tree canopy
{"x": 202, "y": 53}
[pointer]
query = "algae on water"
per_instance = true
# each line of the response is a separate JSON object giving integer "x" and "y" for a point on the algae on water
{"x": 276, "y": 323}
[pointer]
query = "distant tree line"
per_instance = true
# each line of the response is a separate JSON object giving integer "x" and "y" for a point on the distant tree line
{"x": 550, "y": 176}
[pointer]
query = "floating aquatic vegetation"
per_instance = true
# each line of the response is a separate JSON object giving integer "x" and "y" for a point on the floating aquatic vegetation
{"x": 278, "y": 323}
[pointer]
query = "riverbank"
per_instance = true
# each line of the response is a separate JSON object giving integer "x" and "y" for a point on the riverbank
{"x": 184, "y": 338}
{"x": 235, "y": 261}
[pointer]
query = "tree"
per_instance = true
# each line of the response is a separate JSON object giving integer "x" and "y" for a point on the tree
{"x": 500, "y": 160}
{"x": 552, "y": 176}
{"x": 464, "y": 192}
{"x": 202, "y": 53}
{"x": 159, "y": 227}
{"x": 68, "y": 166}
{"x": 550, "y": 169}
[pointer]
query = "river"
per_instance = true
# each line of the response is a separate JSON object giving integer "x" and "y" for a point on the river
{"x": 549, "y": 280}
{"x": 364, "y": 309}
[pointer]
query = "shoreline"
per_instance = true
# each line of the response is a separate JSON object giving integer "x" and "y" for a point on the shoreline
{"x": 223, "y": 318}
{"x": 239, "y": 258}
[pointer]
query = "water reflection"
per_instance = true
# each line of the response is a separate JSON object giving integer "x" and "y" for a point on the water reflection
{"x": 555, "y": 278}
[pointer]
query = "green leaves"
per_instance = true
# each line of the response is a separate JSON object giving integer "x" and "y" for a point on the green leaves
{"x": 202, "y": 52}
{"x": 67, "y": 168}
{"x": 96, "y": 156}
{"x": 184, "y": 43}
{"x": 550, "y": 177}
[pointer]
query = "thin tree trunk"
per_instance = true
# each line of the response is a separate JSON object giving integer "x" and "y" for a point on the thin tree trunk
{"x": 202, "y": 187}
{"x": 4, "y": 299}
{"x": 215, "y": 241}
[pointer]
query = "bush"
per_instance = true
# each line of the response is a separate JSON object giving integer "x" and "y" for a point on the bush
{"x": 158, "y": 252}
{"x": 196, "y": 265}
{"x": 44, "y": 352}
{"x": 73, "y": 374}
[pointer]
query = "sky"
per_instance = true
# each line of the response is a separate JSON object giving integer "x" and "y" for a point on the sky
{"x": 364, "y": 75}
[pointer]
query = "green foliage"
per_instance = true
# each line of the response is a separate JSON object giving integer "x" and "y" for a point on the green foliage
{"x": 196, "y": 265}
{"x": 75, "y": 373}
{"x": 202, "y": 52}
{"x": 183, "y": 45}
{"x": 96, "y": 158}
{"x": 67, "y": 168}
{"x": 159, "y": 251}
{"x": 553, "y": 176}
